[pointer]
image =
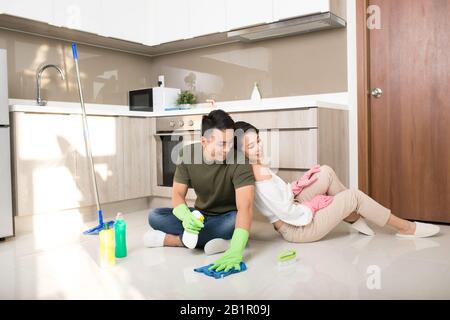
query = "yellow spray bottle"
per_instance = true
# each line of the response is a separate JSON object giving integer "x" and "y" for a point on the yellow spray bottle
{"x": 106, "y": 252}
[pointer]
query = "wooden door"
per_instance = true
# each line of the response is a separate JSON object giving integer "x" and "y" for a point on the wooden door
{"x": 409, "y": 126}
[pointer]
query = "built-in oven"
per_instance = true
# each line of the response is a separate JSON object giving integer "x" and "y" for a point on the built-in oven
{"x": 172, "y": 134}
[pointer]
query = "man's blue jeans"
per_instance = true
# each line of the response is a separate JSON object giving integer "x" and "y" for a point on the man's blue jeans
{"x": 216, "y": 226}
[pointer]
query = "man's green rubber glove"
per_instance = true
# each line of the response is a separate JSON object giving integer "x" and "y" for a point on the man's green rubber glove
{"x": 232, "y": 258}
{"x": 190, "y": 222}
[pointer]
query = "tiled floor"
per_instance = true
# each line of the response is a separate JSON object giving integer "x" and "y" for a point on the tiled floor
{"x": 59, "y": 263}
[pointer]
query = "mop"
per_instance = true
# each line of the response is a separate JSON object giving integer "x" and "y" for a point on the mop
{"x": 87, "y": 143}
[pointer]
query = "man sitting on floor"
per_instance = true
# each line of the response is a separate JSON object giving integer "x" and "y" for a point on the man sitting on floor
{"x": 224, "y": 189}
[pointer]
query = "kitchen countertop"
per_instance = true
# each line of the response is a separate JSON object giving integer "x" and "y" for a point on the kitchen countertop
{"x": 337, "y": 100}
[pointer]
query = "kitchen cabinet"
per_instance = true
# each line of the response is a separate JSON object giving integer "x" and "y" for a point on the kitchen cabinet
{"x": 297, "y": 149}
{"x": 51, "y": 170}
{"x": 128, "y": 20}
{"x": 121, "y": 151}
{"x": 131, "y": 25}
{"x": 83, "y": 15}
{"x": 137, "y": 137}
{"x": 206, "y": 17}
{"x": 241, "y": 14}
{"x": 280, "y": 119}
{"x": 44, "y": 162}
{"x": 41, "y": 10}
{"x": 171, "y": 20}
{"x": 107, "y": 150}
{"x": 283, "y": 9}
{"x": 295, "y": 140}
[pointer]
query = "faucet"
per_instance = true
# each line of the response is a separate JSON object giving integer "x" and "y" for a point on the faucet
{"x": 39, "y": 100}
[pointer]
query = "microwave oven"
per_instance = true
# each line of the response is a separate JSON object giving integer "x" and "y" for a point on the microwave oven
{"x": 152, "y": 99}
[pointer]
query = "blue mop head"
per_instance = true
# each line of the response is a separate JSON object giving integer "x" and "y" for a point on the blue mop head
{"x": 219, "y": 274}
{"x": 96, "y": 230}
{"x": 100, "y": 226}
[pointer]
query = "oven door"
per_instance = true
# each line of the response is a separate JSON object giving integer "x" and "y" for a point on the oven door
{"x": 168, "y": 146}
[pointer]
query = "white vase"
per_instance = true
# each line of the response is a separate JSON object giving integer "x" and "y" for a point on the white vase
{"x": 256, "y": 95}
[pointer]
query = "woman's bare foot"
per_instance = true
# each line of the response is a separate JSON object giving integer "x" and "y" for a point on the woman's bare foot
{"x": 403, "y": 226}
{"x": 277, "y": 224}
{"x": 352, "y": 217}
{"x": 410, "y": 229}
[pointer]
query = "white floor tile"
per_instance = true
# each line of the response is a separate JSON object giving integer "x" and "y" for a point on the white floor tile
{"x": 60, "y": 263}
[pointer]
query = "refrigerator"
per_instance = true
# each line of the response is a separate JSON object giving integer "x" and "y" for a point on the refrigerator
{"x": 6, "y": 212}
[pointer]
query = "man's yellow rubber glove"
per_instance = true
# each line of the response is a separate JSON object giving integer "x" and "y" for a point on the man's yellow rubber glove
{"x": 232, "y": 258}
{"x": 190, "y": 222}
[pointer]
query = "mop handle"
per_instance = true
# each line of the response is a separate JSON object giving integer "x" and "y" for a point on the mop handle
{"x": 87, "y": 141}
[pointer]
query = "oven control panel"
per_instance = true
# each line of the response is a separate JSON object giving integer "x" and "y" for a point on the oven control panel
{"x": 164, "y": 124}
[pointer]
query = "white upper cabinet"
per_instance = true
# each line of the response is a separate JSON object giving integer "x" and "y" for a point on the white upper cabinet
{"x": 206, "y": 17}
{"x": 153, "y": 22}
{"x": 283, "y": 9}
{"x": 126, "y": 20}
{"x": 172, "y": 20}
{"x": 150, "y": 23}
{"x": 248, "y": 12}
{"x": 41, "y": 10}
{"x": 84, "y": 15}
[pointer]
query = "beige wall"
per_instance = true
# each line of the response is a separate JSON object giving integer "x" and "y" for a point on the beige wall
{"x": 107, "y": 75}
{"x": 306, "y": 64}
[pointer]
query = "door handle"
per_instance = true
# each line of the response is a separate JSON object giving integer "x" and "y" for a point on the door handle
{"x": 376, "y": 93}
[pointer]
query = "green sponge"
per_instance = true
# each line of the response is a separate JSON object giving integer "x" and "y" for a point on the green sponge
{"x": 287, "y": 257}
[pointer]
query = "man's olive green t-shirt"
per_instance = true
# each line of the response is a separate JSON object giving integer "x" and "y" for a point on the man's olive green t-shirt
{"x": 213, "y": 183}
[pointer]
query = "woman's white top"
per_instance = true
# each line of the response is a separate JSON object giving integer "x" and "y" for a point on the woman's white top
{"x": 275, "y": 200}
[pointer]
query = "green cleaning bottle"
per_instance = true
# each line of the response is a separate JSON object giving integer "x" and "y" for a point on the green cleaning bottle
{"x": 121, "y": 237}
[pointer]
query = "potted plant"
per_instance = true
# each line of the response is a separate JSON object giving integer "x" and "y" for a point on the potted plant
{"x": 186, "y": 98}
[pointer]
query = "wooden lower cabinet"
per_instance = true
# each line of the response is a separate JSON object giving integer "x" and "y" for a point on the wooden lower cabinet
{"x": 295, "y": 140}
{"x": 51, "y": 170}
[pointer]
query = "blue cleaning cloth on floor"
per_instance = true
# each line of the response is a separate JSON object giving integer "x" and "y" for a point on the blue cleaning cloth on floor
{"x": 219, "y": 274}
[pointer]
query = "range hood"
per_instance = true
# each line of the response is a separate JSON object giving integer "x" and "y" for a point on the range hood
{"x": 288, "y": 27}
